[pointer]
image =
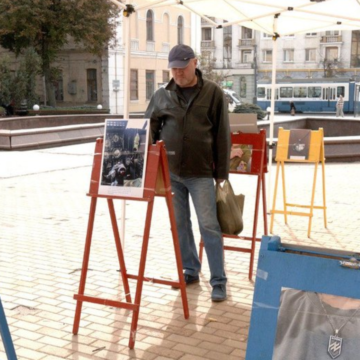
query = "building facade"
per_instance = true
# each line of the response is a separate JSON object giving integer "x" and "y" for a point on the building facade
{"x": 244, "y": 56}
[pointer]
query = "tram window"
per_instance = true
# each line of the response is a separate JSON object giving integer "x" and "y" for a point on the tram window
{"x": 300, "y": 92}
{"x": 314, "y": 91}
{"x": 286, "y": 92}
{"x": 341, "y": 91}
{"x": 261, "y": 92}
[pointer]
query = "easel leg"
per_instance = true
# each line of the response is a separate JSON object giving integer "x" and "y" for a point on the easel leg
{"x": 140, "y": 281}
{"x": 119, "y": 250}
{"x": 6, "y": 336}
{"x": 85, "y": 264}
{"x": 312, "y": 201}
{"x": 274, "y": 199}
{"x": 324, "y": 192}
{"x": 253, "y": 240}
{"x": 284, "y": 191}
{"x": 201, "y": 249}
{"x": 264, "y": 204}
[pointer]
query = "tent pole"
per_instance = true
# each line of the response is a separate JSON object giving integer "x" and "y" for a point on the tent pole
{"x": 126, "y": 99}
{"x": 271, "y": 128}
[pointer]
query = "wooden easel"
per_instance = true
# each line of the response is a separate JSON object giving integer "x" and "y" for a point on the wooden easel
{"x": 316, "y": 154}
{"x": 157, "y": 182}
{"x": 258, "y": 168}
{"x": 6, "y": 336}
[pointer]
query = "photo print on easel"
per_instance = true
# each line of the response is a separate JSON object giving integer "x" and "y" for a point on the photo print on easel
{"x": 299, "y": 144}
{"x": 124, "y": 157}
{"x": 240, "y": 158}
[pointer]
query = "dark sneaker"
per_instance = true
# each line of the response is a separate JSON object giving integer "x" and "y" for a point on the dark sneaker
{"x": 190, "y": 279}
{"x": 218, "y": 293}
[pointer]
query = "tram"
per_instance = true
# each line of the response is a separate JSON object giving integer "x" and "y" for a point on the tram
{"x": 310, "y": 95}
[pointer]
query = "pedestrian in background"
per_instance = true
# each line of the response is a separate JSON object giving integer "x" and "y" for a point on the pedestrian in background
{"x": 292, "y": 108}
{"x": 191, "y": 116}
{"x": 340, "y": 107}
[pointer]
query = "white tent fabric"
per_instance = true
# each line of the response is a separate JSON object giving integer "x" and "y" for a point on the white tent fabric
{"x": 276, "y": 17}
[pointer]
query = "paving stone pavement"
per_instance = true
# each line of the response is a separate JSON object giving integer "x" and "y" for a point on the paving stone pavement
{"x": 43, "y": 219}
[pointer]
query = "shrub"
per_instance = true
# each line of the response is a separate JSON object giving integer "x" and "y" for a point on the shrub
{"x": 246, "y": 108}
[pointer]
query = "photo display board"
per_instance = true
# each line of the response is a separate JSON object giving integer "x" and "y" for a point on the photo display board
{"x": 299, "y": 145}
{"x": 308, "y": 301}
{"x": 124, "y": 157}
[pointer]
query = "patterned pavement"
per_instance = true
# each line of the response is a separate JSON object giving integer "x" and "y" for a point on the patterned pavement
{"x": 43, "y": 218}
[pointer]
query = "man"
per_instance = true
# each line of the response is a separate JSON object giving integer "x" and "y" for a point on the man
{"x": 340, "y": 106}
{"x": 190, "y": 115}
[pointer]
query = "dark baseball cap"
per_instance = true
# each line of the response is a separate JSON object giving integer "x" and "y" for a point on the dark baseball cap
{"x": 180, "y": 55}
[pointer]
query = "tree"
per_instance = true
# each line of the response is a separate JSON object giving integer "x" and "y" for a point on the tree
{"x": 207, "y": 66}
{"x": 46, "y": 25}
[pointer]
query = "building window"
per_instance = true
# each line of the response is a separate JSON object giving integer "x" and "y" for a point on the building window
{"x": 355, "y": 49}
{"x": 134, "y": 85}
{"x": 227, "y": 50}
{"x": 243, "y": 87}
{"x": 267, "y": 55}
{"x": 289, "y": 55}
{"x": 206, "y": 34}
{"x": 310, "y": 54}
{"x": 311, "y": 34}
{"x": 150, "y": 25}
{"x": 150, "y": 83}
{"x": 180, "y": 30}
{"x": 246, "y": 56}
{"x": 331, "y": 53}
{"x": 332, "y": 33}
{"x": 246, "y": 33}
{"x": 267, "y": 36}
{"x": 91, "y": 85}
{"x": 165, "y": 76}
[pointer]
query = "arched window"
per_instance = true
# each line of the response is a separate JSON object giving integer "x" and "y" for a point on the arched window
{"x": 150, "y": 25}
{"x": 180, "y": 27}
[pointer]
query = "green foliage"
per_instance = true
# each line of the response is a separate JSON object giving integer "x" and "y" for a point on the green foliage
{"x": 47, "y": 25}
{"x": 6, "y": 80}
{"x": 207, "y": 67}
{"x": 246, "y": 108}
{"x": 19, "y": 84}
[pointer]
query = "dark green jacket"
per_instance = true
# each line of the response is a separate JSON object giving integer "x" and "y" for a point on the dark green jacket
{"x": 196, "y": 134}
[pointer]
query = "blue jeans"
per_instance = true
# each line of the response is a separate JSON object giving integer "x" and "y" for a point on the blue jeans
{"x": 202, "y": 191}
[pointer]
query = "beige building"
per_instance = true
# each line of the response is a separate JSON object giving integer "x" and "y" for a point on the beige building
{"x": 90, "y": 80}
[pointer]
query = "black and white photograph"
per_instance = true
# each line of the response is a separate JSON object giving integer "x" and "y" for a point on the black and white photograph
{"x": 299, "y": 144}
{"x": 124, "y": 157}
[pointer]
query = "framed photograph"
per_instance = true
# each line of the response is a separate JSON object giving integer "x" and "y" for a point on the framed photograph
{"x": 299, "y": 144}
{"x": 306, "y": 303}
{"x": 124, "y": 157}
{"x": 240, "y": 158}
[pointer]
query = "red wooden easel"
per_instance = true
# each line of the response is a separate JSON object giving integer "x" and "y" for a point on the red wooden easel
{"x": 258, "y": 168}
{"x": 157, "y": 182}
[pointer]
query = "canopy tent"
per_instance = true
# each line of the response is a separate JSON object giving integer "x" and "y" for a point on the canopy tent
{"x": 278, "y": 18}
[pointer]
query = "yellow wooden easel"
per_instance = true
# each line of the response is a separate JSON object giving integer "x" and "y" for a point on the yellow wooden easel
{"x": 300, "y": 146}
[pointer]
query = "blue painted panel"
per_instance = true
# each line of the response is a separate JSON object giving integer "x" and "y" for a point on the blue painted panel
{"x": 307, "y": 269}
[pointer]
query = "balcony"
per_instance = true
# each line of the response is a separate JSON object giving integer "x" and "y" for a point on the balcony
{"x": 246, "y": 42}
{"x": 208, "y": 44}
{"x": 150, "y": 46}
{"x": 205, "y": 22}
{"x": 134, "y": 44}
{"x": 331, "y": 39}
{"x": 165, "y": 47}
{"x": 249, "y": 65}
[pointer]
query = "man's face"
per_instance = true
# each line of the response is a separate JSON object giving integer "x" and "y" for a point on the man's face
{"x": 185, "y": 77}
